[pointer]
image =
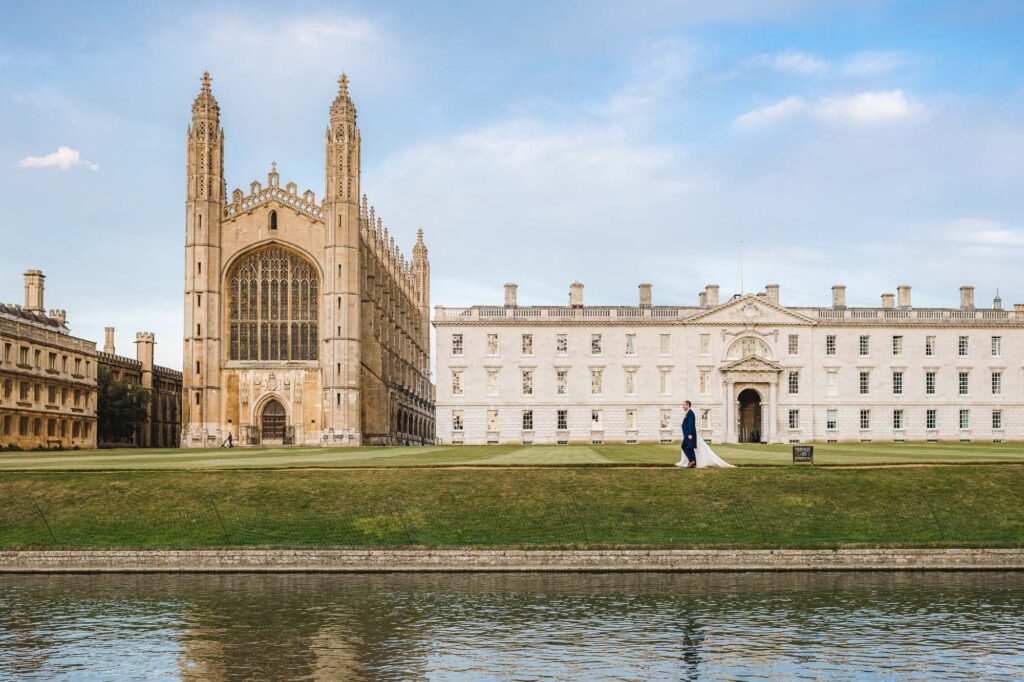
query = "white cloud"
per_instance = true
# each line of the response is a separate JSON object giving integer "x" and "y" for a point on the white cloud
{"x": 983, "y": 233}
{"x": 64, "y": 158}
{"x": 873, "y": 63}
{"x": 864, "y": 108}
{"x": 789, "y": 62}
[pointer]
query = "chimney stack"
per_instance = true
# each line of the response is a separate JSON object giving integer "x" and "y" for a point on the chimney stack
{"x": 34, "y": 291}
{"x": 712, "y": 298}
{"x": 645, "y": 295}
{"x": 967, "y": 297}
{"x": 60, "y": 315}
{"x": 576, "y": 295}
{"x": 108, "y": 340}
{"x": 704, "y": 298}
{"x": 772, "y": 292}
{"x": 144, "y": 342}
{"x": 838, "y": 295}
{"x": 888, "y": 300}
{"x": 903, "y": 294}
{"x": 510, "y": 295}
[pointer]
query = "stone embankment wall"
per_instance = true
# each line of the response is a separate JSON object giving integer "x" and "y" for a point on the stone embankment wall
{"x": 394, "y": 560}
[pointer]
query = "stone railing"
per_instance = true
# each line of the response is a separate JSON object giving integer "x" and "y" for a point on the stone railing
{"x": 561, "y": 314}
{"x": 905, "y": 314}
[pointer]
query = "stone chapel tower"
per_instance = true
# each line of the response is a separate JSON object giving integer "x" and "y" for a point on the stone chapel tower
{"x": 204, "y": 205}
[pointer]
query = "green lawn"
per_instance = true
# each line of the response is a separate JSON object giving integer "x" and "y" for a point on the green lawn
{"x": 529, "y": 507}
{"x": 503, "y": 455}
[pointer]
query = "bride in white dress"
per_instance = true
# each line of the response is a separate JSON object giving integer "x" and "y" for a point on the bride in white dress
{"x": 706, "y": 457}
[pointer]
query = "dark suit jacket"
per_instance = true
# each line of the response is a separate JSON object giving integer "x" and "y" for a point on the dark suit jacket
{"x": 689, "y": 430}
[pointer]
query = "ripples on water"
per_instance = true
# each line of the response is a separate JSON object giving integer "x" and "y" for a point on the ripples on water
{"x": 913, "y": 626}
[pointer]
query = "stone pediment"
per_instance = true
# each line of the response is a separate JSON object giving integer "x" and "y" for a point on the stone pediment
{"x": 751, "y": 363}
{"x": 750, "y": 310}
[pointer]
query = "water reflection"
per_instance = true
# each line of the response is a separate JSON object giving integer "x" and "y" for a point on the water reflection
{"x": 513, "y": 626}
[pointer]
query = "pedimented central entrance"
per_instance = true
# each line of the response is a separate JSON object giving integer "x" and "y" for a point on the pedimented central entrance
{"x": 750, "y": 416}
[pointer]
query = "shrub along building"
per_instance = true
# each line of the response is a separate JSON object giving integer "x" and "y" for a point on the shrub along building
{"x": 161, "y": 426}
{"x": 47, "y": 376}
{"x": 756, "y": 371}
{"x": 304, "y": 323}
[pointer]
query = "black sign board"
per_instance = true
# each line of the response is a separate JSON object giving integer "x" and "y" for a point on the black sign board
{"x": 803, "y": 453}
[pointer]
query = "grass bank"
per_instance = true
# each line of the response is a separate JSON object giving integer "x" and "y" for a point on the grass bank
{"x": 503, "y": 455}
{"x": 965, "y": 506}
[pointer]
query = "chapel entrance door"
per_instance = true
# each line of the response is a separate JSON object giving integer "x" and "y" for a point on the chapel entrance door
{"x": 750, "y": 416}
{"x": 272, "y": 422}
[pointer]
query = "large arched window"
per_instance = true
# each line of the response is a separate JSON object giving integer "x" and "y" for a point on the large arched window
{"x": 747, "y": 346}
{"x": 272, "y": 306}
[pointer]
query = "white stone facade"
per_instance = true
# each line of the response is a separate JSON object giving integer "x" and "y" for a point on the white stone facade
{"x": 755, "y": 371}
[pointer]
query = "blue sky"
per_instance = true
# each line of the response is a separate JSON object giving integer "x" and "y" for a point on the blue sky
{"x": 864, "y": 143}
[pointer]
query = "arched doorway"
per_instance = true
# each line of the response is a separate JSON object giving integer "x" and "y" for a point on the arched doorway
{"x": 750, "y": 416}
{"x": 272, "y": 422}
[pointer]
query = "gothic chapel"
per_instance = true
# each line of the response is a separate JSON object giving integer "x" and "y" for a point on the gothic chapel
{"x": 304, "y": 323}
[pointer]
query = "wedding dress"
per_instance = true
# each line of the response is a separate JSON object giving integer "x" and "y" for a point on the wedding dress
{"x": 706, "y": 457}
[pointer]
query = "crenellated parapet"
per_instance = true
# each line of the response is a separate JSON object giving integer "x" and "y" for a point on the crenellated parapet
{"x": 289, "y": 197}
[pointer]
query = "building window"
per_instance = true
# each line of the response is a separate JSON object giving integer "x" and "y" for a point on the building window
{"x": 23, "y": 391}
{"x": 964, "y": 385}
{"x": 705, "y": 344}
{"x": 273, "y": 299}
{"x": 864, "y": 345}
{"x": 832, "y": 382}
{"x": 794, "y": 344}
{"x": 595, "y": 419}
{"x": 22, "y": 426}
{"x": 665, "y": 344}
{"x": 457, "y": 420}
{"x": 965, "y": 419}
{"x": 705, "y": 419}
{"x": 630, "y": 344}
{"x": 897, "y": 345}
{"x": 997, "y": 383}
{"x": 630, "y": 420}
{"x": 456, "y": 344}
{"x": 865, "y": 419}
{"x": 930, "y": 419}
{"x": 492, "y": 420}
{"x": 794, "y": 419}
{"x": 596, "y": 381}
{"x": 493, "y": 381}
{"x": 997, "y": 419}
{"x": 929, "y": 383}
{"x": 273, "y": 220}
{"x": 794, "y": 382}
{"x": 630, "y": 381}
{"x": 830, "y": 344}
{"x": 865, "y": 383}
{"x": 962, "y": 346}
{"x": 997, "y": 346}
{"x": 527, "y": 420}
{"x": 665, "y": 381}
{"x": 9, "y": 389}
{"x": 831, "y": 418}
{"x": 456, "y": 382}
{"x": 929, "y": 345}
{"x": 561, "y": 381}
{"x": 53, "y": 362}
{"x": 897, "y": 383}
{"x": 527, "y": 382}
{"x": 562, "y": 344}
{"x": 897, "y": 419}
{"x": 562, "y": 422}
{"x": 527, "y": 344}
{"x": 595, "y": 344}
{"x": 492, "y": 344}
{"x": 705, "y": 382}
{"x": 665, "y": 421}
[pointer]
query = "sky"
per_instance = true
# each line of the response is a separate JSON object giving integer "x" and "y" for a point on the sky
{"x": 865, "y": 143}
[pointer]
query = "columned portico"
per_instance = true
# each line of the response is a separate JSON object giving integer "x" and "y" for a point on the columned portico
{"x": 751, "y": 384}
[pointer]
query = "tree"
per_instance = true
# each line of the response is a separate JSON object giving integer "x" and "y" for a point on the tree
{"x": 121, "y": 407}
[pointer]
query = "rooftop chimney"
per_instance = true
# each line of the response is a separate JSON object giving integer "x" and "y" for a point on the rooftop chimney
{"x": 34, "y": 291}
{"x": 772, "y": 292}
{"x": 144, "y": 342}
{"x": 108, "y": 340}
{"x": 60, "y": 315}
{"x": 712, "y": 290}
{"x": 576, "y": 295}
{"x": 888, "y": 300}
{"x": 903, "y": 293}
{"x": 967, "y": 297}
{"x": 510, "y": 295}
{"x": 838, "y": 295}
{"x": 645, "y": 295}
{"x": 704, "y": 298}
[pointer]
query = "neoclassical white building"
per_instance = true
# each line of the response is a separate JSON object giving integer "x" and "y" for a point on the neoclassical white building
{"x": 756, "y": 371}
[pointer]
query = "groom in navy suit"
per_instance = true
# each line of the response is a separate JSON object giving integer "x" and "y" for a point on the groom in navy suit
{"x": 690, "y": 436}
